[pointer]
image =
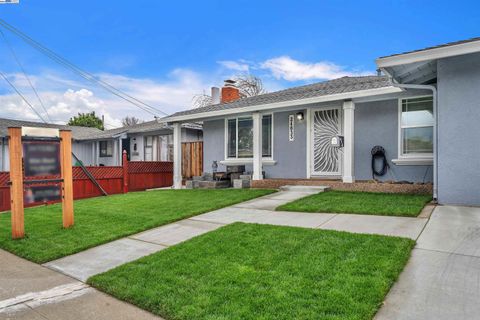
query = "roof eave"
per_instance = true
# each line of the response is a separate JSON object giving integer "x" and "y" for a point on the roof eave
{"x": 429, "y": 54}
{"x": 284, "y": 104}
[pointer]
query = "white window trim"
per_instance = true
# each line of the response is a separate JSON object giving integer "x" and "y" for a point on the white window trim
{"x": 239, "y": 161}
{"x": 111, "y": 142}
{"x": 414, "y": 159}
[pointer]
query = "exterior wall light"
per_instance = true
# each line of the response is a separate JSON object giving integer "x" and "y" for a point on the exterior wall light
{"x": 299, "y": 116}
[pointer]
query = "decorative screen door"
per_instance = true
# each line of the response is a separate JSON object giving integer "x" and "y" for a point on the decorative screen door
{"x": 326, "y": 159}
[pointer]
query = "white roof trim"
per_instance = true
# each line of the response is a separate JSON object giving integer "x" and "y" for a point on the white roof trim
{"x": 429, "y": 54}
{"x": 284, "y": 104}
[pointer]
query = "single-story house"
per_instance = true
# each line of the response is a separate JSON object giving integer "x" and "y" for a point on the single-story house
{"x": 78, "y": 134}
{"x": 147, "y": 141}
{"x": 414, "y": 108}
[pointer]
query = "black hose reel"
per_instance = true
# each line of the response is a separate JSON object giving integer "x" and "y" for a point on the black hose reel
{"x": 378, "y": 152}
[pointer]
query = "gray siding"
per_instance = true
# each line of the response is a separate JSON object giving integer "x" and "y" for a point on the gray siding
{"x": 458, "y": 123}
{"x": 376, "y": 123}
{"x": 83, "y": 151}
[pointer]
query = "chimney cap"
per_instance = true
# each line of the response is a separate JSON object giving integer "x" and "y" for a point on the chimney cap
{"x": 229, "y": 83}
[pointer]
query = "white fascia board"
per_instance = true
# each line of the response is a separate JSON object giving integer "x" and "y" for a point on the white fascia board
{"x": 285, "y": 104}
{"x": 430, "y": 54}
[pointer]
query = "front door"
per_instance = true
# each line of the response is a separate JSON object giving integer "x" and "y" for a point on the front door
{"x": 326, "y": 159}
{"x": 126, "y": 146}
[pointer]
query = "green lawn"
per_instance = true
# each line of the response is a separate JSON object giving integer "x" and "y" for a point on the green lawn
{"x": 103, "y": 219}
{"x": 387, "y": 204}
{"x": 250, "y": 271}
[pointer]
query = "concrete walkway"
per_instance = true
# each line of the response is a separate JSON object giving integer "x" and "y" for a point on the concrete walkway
{"x": 30, "y": 291}
{"x": 440, "y": 281}
{"x": 442, "y": 278}
{"x": 85, "y": 264}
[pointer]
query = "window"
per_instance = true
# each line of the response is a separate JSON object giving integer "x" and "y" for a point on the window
{"x": 165, "y": 147}
{"x": 106, "y": 148}
{"x": 148, "y": 148}
{"x": 240, "y": 137}
{"x": 416, "y": 127}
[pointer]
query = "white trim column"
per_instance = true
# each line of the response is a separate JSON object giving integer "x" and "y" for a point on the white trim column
{"x": 257, "y": 146}
{"x": 119, "y": 158}
{"x": 348, "y": 147}
{"x": 177, "y": 155}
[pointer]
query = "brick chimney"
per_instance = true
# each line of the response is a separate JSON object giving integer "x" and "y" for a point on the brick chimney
{"x": 230, "y": 92}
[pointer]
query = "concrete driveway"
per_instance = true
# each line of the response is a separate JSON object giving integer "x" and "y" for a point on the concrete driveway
{"x": 30, "y": 291}
{"x": 442, "y": 278}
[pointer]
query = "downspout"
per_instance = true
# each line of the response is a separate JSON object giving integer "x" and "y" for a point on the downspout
{"x": 435, "y": 130}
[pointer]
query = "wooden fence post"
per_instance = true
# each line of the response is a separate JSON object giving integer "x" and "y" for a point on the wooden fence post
{"x": 16, "y": 178}
{"x": 67, "y": 176}
{"x": 125, "y": 171}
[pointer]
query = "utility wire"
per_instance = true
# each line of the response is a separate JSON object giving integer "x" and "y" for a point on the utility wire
{"x": 24, "y": 72}
{"x": 55, "y": 57}
{"x": 88, "y": 76}
{"x": 21, "y": 95}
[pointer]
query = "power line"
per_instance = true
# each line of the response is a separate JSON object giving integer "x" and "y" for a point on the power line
{"x": 84, "y": 74}
{"x": 21, "y": 95}
{"x": 12, "y": 51}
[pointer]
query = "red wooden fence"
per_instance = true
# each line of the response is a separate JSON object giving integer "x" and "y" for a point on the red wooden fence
{"x": 149, "y": 174}
{"x": 140, "y": 176}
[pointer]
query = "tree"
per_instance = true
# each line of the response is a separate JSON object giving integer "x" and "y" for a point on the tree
{"x": 202, "y": 100}
{"x": 130, "y": 121}
{"x": 248, "y": 85}
{"x": 86, "y": 120}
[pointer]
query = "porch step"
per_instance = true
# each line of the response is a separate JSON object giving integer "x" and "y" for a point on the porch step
{"x": 241, "y": 183}
{"x": 304, "y": 188}
{"x": 212, "y": 184}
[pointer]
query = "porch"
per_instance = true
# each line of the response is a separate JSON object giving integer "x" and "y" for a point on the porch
{"x": 329, "y": 141}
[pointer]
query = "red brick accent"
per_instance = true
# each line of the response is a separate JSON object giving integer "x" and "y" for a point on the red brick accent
{"x": 229, "y": 94}
{"x": 368, "y": 186}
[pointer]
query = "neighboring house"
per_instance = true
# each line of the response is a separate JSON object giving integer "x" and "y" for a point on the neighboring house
{"x": 425, "y": 112}
{"x": 79, "y": 147}
{"x": 148, "y": 141}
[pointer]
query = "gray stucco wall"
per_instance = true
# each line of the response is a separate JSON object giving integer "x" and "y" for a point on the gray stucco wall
{"x": 213, "y": 144}
{"x": 376, "y": 123}
{"x": 458, "y": 123}
{"x": 290, "y": 155}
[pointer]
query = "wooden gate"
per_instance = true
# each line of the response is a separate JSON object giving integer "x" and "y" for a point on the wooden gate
{"x": 192, "y": 159}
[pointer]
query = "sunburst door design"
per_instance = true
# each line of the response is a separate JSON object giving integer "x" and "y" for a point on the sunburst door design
{"x": 326, "y": 158}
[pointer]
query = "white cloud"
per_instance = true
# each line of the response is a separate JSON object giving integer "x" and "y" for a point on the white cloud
{"x": 65, "y": 95}
{"x": 240, "y": 65}
{"x": 65, "y": 98}
{"x": 290, "y": 69}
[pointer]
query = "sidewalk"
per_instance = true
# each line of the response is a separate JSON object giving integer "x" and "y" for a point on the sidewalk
{"x": 85, "y": 264}
{"x": 30, "y": 291}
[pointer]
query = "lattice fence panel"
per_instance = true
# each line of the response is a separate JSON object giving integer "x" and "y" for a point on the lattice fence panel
{"x": 149, "y": 166}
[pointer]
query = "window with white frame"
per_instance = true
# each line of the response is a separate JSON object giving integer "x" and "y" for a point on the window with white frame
{"x": 416, "y": 127}
{"x": 148, "y": 148}
{"x": 106, "y": 148}
{"x": 240, "y": 137}
{"x": 165, "y": 143}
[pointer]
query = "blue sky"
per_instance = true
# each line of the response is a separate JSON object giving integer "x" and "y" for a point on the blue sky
{"x": 165, "y": 52}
